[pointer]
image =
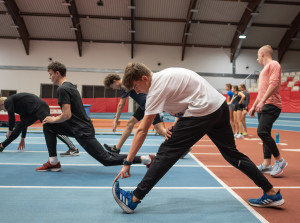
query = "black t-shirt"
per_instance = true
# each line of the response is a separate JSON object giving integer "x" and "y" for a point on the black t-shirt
{"x": 79, "y": 124}
{"x": 24, "y": 104}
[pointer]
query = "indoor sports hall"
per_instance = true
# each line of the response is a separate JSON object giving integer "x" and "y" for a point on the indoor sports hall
{"x": 223, "y": 41}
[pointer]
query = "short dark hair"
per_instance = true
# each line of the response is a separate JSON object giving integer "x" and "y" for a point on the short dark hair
{"x": 110, "y": 78}
{"x": 57, "y": 66}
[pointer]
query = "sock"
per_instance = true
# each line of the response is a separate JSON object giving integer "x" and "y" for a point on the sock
{"x": 53, "y": 160}
{"x": 145, "y": 159}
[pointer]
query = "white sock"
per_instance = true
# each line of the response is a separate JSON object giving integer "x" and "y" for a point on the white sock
{"x": 145, "y": 159}
{"x": 53, "y": 160}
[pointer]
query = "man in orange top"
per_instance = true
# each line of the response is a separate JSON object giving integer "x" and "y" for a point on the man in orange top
{"x": 268, "y": 107}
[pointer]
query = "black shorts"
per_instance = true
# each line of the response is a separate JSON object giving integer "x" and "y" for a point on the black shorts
{"x": 238, "y": 107}
{"x": 139, "y": 115}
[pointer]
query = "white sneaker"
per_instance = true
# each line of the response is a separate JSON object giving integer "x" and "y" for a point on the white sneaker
{"x": 239, "y": 136}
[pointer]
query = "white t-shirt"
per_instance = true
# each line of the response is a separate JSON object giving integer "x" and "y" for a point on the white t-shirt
{"x": 182, "y": 93}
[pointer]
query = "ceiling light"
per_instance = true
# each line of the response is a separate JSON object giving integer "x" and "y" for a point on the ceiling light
{"x": 242, "y": 36}
{"x": 194, "y": 10}
{"x": 255, "y": 13}
{"x": 66, "y": 3}
{"x": 14, "y": 26}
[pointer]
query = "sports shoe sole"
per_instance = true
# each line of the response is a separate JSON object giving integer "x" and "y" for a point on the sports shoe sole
{"x": 72, "y": 154}
{"x": 52, "y": 169}
{"x": 120, "y": 203}
{"x": 272, "y": 204}
{"x": 280, "y": 171}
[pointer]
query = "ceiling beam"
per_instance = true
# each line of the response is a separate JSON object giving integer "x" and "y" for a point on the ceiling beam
{"x": 287, "y": 38}
{"x": 132, "y": 31}
{"x": 187, "y": 26}
{"x": 76, "y": 25}
{"x": 267, "y": 2}
{"x": 139, "y": 42}
{"x": 267, "y": 25}
{"x": 13, "y": 10}
{"x": 243, "y": 26}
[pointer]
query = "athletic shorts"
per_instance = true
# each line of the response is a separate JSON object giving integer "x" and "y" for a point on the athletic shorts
{"x": 139, "y": 115}
{"x": 231, "y": 107}
{"x": 238, "y": 107}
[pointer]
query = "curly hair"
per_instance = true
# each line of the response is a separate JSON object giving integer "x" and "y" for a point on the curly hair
{"x": 134, "y": 72}
{"x": 110, "y": 78}
{"x": 57, "y": 66}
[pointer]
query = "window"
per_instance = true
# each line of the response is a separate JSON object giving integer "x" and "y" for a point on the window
{"x": 6, "y": 93}
{"x": 97, "y": 91}
{"x": 49, "y": 90}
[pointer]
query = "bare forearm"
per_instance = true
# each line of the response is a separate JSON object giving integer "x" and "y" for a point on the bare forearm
{"x": 138, "y": 140}
{"x": 61, "y": 118}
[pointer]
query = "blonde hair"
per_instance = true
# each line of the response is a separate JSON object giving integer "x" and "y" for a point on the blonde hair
{"x": 134, "y": 72}
{"x": 267, "y": 49}
{"x": 2, "y": 99}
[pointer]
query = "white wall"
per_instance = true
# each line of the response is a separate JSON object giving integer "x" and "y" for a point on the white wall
{"x": 116, "y": 56}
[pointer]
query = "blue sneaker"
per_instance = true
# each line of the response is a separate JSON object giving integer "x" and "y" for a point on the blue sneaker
{"x": 124, "y": 198}
{"x": 267, "y": 201}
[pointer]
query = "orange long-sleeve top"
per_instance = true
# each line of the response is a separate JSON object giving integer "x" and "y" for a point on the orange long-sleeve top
{"x": 270, "y": 76}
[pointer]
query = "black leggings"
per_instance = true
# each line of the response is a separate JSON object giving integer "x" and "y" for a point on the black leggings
{"x": 188, "y": 131}
{"x": 42, "y": 112}
{"x": 87, "y": 141}
{"x": 266, "y": 118}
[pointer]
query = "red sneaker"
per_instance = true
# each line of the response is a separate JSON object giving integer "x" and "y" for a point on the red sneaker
{"x": 152, "y": 157}
{"x": 49, "y": 167}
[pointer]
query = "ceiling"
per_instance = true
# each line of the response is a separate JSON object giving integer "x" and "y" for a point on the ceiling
{"x": 183, "y": 23}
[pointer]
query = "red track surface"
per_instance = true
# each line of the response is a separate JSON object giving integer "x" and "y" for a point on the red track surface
{"x": 289, "y": 212}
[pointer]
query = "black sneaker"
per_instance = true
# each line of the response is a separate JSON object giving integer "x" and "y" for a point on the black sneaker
{"x": 1, "y": 149}
{"x": 71, "y": 152}
{"x": 112, "y": 149}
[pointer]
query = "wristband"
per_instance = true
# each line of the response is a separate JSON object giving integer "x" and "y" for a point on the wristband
{"x": 127, "y": 163}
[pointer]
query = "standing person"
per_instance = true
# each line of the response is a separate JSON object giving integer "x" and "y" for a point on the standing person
{"x": 30, "y": 108}
{"x": 237, "y": 100}
{"x": 231, "y": 106}
{"x": 268, "y": 107}
{"x": 114, "y": 81}
{"x": 201, "y": 110}
{"x": 245, "y": 104}
{"x": 75, "y": 123}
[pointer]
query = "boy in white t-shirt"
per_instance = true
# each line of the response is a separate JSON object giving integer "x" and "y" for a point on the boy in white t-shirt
{"x": 201, "y": 110}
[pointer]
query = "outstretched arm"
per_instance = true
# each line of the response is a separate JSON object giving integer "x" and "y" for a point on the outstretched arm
{"x": 138, "y": 140}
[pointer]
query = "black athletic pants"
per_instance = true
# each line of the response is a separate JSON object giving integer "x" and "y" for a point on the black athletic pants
{"x": 266, "y": 118}
{"x": 87, "y": 141}
{"x": 42, "y": 112}
{"x": 188, "y": 131}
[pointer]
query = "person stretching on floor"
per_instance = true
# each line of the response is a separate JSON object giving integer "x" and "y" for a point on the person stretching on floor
{"x": 30, "y": 108}
{"x": 201, "y": 110}
{"x": 75, "y": 123}
{"x": 114, "y": 81}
